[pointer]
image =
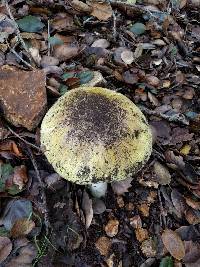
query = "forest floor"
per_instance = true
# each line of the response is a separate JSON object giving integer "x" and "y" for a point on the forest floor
{"x": 147, "y": 50}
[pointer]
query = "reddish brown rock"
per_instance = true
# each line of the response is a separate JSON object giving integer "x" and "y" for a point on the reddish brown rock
{"x": 23, "y": 96}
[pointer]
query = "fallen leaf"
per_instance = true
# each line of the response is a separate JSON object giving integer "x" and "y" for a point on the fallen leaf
{"x": 103, "y": 244}
{"x": 61, "y": 22}
{"x": 144, "y": 209}
{"x": 87, "y": 208}
{"x": 103, "y": 43}
{"x": 98, "y": 206}
{"x": 15, "y": 209}
{"x": 30, "y": 24}
{"x": 162, "y": 173}
{"x": 173, "y": 244}
{"x": 138, "y": 28}
{"x": 127, "y": 57}
{"x": 121, "y": 187}
{"x": 141, "y": 234}
{"x": 101, "y": 10}
{"x": 192, "y": 254}
{"x": 167, "y": 262}
{"x": 5, "y": 248}
{"x": 178, "y": 201}
{"x": 49, "y": 61}
{"x": 152, "y": 80}
{"x": 192, "y": 216}
{"x": 65, "y": 51}
{"x": 22, "y": 227}
{"x": 130, "y": 78}
{"x": 20, "y": 176}
{"x": 148, "y": 248}
{"x": 23, "y": 257}
{"x": 81, "y": 6}
{"x": 111, "y": 227}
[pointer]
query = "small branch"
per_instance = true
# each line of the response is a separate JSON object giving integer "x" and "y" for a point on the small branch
{"x": 48, "y": 34}
{"x": 114, "y": 25}
{"x": 16, "y": 26}
{"x": 22, "y": 139}
{"x": 43, "y": 194}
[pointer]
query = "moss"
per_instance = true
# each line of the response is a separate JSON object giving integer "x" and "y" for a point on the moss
{"x": 95, "y": 134}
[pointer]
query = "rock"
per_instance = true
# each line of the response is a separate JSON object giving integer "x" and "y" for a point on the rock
{"x": 23, "y": 96}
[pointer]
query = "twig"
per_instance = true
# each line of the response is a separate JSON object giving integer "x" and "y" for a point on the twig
{"x": 48, "y": 34}
{"x": 16, "y": 26}
{"x": 22, "y": 139}
{"x": 43, "y": 194}
{"x": 162, "y": 217}
{"x": 18, "y": 56}
{"x": 114, "y": 26}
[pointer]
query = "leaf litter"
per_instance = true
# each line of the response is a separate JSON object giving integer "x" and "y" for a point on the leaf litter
{"x": 147, "y": 50}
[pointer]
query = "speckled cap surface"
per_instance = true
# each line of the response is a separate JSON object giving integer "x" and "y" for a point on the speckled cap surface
{"x": 92, "y": 134}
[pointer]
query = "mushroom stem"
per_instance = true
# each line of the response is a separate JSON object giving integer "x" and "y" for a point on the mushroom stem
{"x": 98, "y": 190}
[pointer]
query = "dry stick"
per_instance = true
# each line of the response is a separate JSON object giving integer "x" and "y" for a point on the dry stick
{"x": 49, "y": 45}
{"x": 162, "y": 217}
{"x": 43, "y": 194}
{"x": 16, "y": 26}
{"x": 114, "y": 25}
{"x": 22, "y": 139}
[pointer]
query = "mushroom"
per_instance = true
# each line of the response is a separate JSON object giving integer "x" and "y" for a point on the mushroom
{"x": 93, "y": 136}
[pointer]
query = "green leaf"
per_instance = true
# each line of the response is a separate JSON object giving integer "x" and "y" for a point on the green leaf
{"x": 85, "y": 76}
{"x": 68, "y": 75}
{"x": 166, "y": 262}
{"x": 63, "y": 89}
{"x": 5, "y": 171}
{"x": 55, "y": 41}
{"x": 30, "y": 24}
{"x": 14, "y": 190}
{"x": 3, "y": 231}
{"x": 131, "y": 2}
{"x": 138, "y": 28}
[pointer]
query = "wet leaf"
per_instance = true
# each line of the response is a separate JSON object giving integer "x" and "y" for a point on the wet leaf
{"x": 121, "y": 187}
{"x": 22, "y": 227}
{"x": 15, "y": 209}
{"x": 166, "y": 262}
{"x": 138, "y": 28}
{"x": 5, "y": 248}
{"x": 30, "y": 24}
{"x": 98, "y": 206}
{"x": 127, "y": 57}
{"x": 162, "y": 173}
{"x": 103, "y": 43}
{"x": 173, "y": 244}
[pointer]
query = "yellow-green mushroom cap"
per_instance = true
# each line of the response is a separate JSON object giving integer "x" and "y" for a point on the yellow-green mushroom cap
{"x": 93, "y": 134}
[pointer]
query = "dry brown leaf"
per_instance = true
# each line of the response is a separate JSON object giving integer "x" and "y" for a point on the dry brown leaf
{"x": 192, "y": 254}
{"x": 5, "y": 247}
{"x": 152, "y": 80}
{"x": 103, "y": 43}
{"x": 22, "y": 227}
{"x": 65, "y": 52}
{"x": 63, "y": 22}
{"x": 121, "y": 187}
{"x": 148, "y": 248}
{"x": 192, "y": 216}
{"x": 87, "y": 208}
{"x": 103, "y": 244}
{"x": 111, "y": 227}
{"x": 20, "y": 177}
{"x": 162, "y": 173}
{"x": 101, "y": 10}
{"x": 141, "y": 234}
{"x": 24, "y": 257}
{"x": 81, "y": 6}
{"x": 144, "y": 209}
{"x": 173, "y": 244}
{"x": 127, "y": 57}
